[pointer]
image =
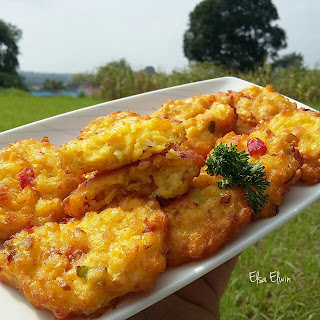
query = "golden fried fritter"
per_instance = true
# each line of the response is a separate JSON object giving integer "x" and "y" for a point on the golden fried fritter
{"x": 120, "y": 138}
{"x": 253, "y": 104}
{"x": 32, "y": 185}
{"x": 80, "y": 267}
{"x": 280, "y": 159}
{"x": 204, "y": 219}
{"x": 164, "y": 175}
{"x": 205, "y": 118}
{"x": 304, "y": 127}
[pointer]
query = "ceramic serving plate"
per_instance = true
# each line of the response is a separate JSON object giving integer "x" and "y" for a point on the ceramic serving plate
{"x": 64, "y": 127}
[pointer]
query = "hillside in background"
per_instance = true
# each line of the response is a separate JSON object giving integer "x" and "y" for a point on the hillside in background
{"x": 36, "y": 79}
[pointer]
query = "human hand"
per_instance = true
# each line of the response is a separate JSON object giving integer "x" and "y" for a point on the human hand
{"x": 198, "y": 300}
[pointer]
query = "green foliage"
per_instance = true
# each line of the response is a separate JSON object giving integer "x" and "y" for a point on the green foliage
{"x": 52, "y": 85}
{"x": 11, "y": 80}
{"x": 119, "y": 80}
{"x": 237, "y": 34}
{"x": 85, "y": 79}
{"x": 9, "y": 37}
{"x": 288, "y": 61}
{"x": 297, "y": 83}
{"x": 236, "y": 170}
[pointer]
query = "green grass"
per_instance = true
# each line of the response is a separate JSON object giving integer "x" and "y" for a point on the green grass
{"x": 293, "y": 249}
{"x": 18, "y": 108}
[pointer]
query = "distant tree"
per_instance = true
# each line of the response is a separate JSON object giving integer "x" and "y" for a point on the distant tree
{"x": 116, "y": 79}
{"x": 84, "y": 79}
{"x": 52, "y": 85}
{"x": 149, "y": 70}
{"x": 288, "y": 60}
{"x": 112, "y": 67}
{"x": 237, "y": 34}
{"x": 9, "y": 50}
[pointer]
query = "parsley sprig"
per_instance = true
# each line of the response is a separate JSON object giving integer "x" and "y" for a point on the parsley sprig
{"x": 236, "y": 169}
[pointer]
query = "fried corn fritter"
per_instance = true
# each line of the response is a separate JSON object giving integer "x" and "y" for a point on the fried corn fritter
{"x": 279, "y": 157}
{"x": 32, "y": 185}
{"x": 204, "y": 219}
{"x": 113, "y": 238}
{"x": 80, "y": 267}
{"x": 304, "y": 127}
{"x": 253, "y": 104}
{"x": 205, "y": 118}
{"x": 164, "y": 175}
{"x": 120, "y": 138}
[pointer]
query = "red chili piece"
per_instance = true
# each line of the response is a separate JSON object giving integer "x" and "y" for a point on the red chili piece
{"x": 29, "y": 228}
{"x": 256, "y": 147}
{"x": 26, "y": 177}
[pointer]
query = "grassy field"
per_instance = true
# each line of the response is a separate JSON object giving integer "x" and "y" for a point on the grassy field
{"x": 293, "y": 250}
{"x": 18, "y": 108}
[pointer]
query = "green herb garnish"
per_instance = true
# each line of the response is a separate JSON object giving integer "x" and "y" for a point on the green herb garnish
{"x": 82, "y": 271}
{"x": 236, "y": 169}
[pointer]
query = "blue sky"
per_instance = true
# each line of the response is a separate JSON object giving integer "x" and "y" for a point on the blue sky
{"x": 78, "y": 36}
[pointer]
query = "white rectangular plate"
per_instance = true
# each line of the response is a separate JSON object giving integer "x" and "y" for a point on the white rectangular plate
{"x": 64, "y": 127}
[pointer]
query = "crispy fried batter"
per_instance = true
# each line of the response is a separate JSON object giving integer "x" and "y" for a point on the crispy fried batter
{"x": 164, "y": 175}
{"x": 205, "y": 118}
{"x": 79, "y": 267}
{"x": 281, "y": 161}
{"x": 303, "y": 126}
{"x": 120, "y": 138}
{"x": 204, "y": 219}
{"x": 32, "y": 185}
{"x": 117, "y": 243}
{"x": 253, "y": 104}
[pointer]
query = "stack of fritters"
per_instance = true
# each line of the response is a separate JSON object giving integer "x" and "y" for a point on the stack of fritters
{"x": 103, "y": 214}
{"x": 118, "y": 241}
{"x": 165, "y": 175}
